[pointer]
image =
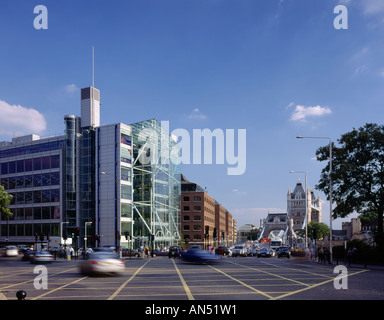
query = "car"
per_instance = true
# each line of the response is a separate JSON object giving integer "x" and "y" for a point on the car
{"x": 10, "y": 251}
{"x": 102, "y": 262}
{"x": 239, "y": 251}
{"x": 284, "y": 252}
{"x": 264, "y": 252}
{"x": 28, "y": 255}
{"x": 251, "y": 252}
{"x": 41, "y": 257}
{"x": 174, "y": 251}
{"x": 196, "y": 255}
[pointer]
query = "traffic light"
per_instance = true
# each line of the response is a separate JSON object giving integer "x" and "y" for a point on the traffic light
{"x": 77, "y": 231}
{"x": 206, "y": 229}
{"x": 214, "y": 233}
{"x": 36, "y": 237}
{"x": 41, "y": 237}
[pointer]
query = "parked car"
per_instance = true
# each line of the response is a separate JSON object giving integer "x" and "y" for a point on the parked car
{"x": 239, "y": 251}
{"x": 102, "y": 262}
{"x": 41, "y": 257}
{"x": 10, "y": 251}
{"x": 284, "y": 252}
{"x": 200, "y": 256}
{"x": 264, "y": 252}
{"x": 174, "y": 251}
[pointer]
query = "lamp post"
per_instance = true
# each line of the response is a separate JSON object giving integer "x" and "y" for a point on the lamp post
{"x": 306, "y": 207}
{"x": 330, "y": 191}
{"x": 85, "y": 234}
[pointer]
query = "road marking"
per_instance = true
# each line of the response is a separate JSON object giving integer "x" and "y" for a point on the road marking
{"x": 59, "y": 288}
{"x": 186, "y": 288}
{"x": 315, "y": 285}
{"x": 241, "y": 282}
{"x": 275, "y": 275}
{"x": 126, "y": 282}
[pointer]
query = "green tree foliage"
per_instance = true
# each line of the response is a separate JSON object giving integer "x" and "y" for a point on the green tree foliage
{"x": 5, "y": 201}
{"x": 357, "y": 174}
{"x": 317, "y": 230}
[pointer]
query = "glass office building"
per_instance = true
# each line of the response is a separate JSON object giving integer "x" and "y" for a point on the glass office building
{"x": 95, "y": 179}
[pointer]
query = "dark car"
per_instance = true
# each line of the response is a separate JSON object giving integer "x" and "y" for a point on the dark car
{"x": 284, "y": 252}
{"x": 264, "y": 252}
{"x": 200, "y": 256}
{"x": 28, "y": 255}
{"x": 174, "y": 251}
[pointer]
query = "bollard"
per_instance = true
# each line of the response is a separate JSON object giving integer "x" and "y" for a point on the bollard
{"x": 20, "y": 295}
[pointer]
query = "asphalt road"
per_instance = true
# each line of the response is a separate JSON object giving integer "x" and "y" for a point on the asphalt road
{"x": 161, "y": 278}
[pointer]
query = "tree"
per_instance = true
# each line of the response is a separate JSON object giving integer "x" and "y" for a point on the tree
{"x": 317, "y": 230}
{"x": 357, "y": 174}
{"x": 5, "y": 201}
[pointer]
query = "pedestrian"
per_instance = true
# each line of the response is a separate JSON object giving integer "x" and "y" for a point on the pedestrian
{"x": 321, "y": 254}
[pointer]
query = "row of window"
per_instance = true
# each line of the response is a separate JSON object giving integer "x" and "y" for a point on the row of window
{"x": 195, "y": 198}
{"x": 36, "y": 196}
{"x": 34, "y": 213}
{"x": 36, "y": 148}
{"x": 195, "y": 208}
{"x": 33, "y": 164}
{"x": 31, "y": 181}
{"x": 196, "y": 227}
{"x": 195, "y": 218}
{"x": 30, "y": 229}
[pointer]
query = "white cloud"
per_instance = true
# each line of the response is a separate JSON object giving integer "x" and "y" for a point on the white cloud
{"x": 19, "y": 120}
{"x": 301, "y": 113}
{"x": 196, "y": 114}
{"x": 71, "y": 88}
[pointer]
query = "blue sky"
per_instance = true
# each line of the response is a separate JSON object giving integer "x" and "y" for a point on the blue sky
{"x": 277, "y": 68}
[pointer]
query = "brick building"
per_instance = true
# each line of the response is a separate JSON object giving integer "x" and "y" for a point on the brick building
{"x": 201, "y": 213}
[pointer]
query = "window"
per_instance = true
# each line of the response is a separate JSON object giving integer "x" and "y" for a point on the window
{"x": 19, "y": 182}
{"x": 186, "y": 228}
{"x": 28, "y": 165}
{"x": 196, "y": 218}
{"x": 55, "y": 195}
{"x": 55, "y": 161}
{"x": 126, "y": 192}
{"x": 46, "y": 163}
{"x": 125, "y": 139}
{"x": 197, "y": 227}
{"x": 37, "y": 164}
{"x": 12, "y": 167}
{"x": 186, "y": 198}
{"x": 37, "y": 196}
{"x": 28, "y": 197}
{"x": 20, "y": 166}
{"x": 37, "y": 180}
{"x": 46, "y": 196}
{"x": 55, "y": 178}
{"x": 46, "y": 179}
{"x": 126, "y": 174}
{"x": 4, "y": 183}
{"x": 37, "y": 213}
{"x": 197, "y": 208}
{"x": 197, "y": 198}
{"x": 28, "y": 181}
{"x": 197, "y": 237}
{"x": 186, "y": 208}
{"x": 186, "y": 218}
{"x": 46, "y": 212}
{"x": 4, "y": 168}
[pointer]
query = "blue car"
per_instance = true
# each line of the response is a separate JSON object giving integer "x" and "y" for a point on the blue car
{"x": 200, "y": 256}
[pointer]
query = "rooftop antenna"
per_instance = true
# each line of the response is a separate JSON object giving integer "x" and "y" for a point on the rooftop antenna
{"x": 93, "y": 66}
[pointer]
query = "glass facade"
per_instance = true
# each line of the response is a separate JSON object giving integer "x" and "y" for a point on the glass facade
{"x": 156, "y": 202}
{"x": 32, "y": 175}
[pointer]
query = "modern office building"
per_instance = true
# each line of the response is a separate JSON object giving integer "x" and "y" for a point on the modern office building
{"x": 84, "y": 181}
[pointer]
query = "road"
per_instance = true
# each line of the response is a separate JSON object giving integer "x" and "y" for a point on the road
{"x": 161, "y": 278}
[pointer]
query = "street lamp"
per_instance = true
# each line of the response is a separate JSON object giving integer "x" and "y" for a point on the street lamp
{"x": 306, "y": 207}
{"x": 330, "y": 191}
{"x": 85, "y": 234}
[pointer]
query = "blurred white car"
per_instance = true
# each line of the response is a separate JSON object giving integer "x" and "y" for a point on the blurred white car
{"x": 102, "y": 263}
{"x": 10, "y": 251}
{"x": 41, "y": 257}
